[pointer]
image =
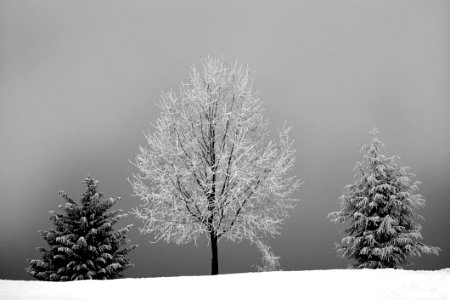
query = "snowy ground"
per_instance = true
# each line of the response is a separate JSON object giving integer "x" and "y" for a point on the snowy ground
{"x": 327, "y": 284}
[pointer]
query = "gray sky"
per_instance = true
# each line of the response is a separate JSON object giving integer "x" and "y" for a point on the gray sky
{"x": 79, "y": 83}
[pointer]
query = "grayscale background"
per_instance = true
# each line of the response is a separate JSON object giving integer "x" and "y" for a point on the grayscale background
{"x": 79, "y": 83}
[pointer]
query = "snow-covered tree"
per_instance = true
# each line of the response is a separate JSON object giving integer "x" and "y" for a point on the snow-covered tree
{"x": 269, "y": 261}
{"x": 381, "y": 209}
{"x": 208, "y": 168}
{"x": 83, "y": 245}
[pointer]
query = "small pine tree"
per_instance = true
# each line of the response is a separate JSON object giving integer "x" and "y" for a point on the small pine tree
{"x": 83, "y": 244}
{"x": 380, "y": 206}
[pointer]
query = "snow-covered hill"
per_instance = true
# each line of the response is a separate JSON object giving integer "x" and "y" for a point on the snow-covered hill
{"x": 327, "y": 284}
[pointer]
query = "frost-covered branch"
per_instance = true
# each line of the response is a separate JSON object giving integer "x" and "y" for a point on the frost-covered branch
{"x": 209, "y": 166}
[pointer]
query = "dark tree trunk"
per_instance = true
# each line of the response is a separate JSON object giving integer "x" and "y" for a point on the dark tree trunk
{"x": 214, "y": 255}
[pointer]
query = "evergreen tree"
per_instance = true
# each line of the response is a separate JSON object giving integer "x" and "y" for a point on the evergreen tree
{"x": 83, "y": 244}
{"x": 380, "y": 207}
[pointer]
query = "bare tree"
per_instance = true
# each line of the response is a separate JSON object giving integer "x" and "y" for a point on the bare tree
{"x": 208, "y": 167}
{"x": 270, "y": 262}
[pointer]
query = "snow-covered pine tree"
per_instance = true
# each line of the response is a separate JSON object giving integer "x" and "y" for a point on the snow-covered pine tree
{"x": 83, "y": 245}
{"x": 380, "y": 207}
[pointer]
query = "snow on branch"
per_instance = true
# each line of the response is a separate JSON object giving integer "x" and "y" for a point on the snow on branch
{"x": 209, "y": 165}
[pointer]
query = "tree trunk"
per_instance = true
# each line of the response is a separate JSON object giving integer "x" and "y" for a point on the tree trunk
{"x": 214, "y": 255}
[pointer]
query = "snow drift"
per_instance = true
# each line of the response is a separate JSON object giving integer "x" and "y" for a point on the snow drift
{"x": 326, "y": 284}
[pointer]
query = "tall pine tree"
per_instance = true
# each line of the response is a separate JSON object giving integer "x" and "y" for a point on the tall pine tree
{"x": 83, "y": 245}
{"x": 380, "y": 207}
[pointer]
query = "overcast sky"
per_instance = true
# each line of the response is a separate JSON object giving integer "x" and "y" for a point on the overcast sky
{"x": 79, "y": 83}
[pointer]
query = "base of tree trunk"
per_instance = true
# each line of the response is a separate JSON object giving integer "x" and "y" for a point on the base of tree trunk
{"x": 214, "y": 255}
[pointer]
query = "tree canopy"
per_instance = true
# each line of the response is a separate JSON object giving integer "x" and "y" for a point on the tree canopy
{"x": 209, "y": 167}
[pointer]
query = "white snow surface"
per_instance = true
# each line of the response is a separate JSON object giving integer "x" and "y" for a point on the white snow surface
{"x": 317, "y": 284}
